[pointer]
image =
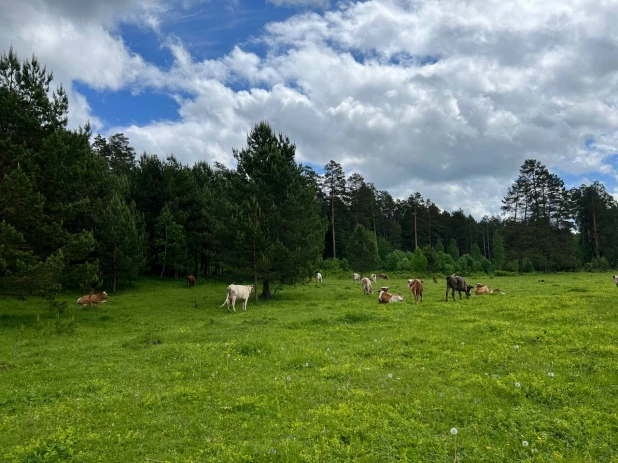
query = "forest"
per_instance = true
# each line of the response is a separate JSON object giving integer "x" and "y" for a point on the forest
{"x": 79, "y": 210}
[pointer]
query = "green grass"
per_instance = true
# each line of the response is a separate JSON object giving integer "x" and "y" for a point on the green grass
{"x": 318, "y": 374}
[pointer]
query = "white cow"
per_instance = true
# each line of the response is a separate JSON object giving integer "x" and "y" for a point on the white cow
{"x": 615, "y": 277}
{"x": 373, "y": 277}
{"x": 240, "y": 292}
{"x": 318, "y": 278}
{"x": 356, "y": 277}
{"x": 367, "y": 286}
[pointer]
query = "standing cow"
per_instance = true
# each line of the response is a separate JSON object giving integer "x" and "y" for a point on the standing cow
{"x": 416, "y": 287}
{"x": 367, "y": 286}
{"x": 457, "y": 283}
{"x": 356, "y": 277}
{"x": 190, "y": 280}
{"x": 615, "y": 277}
{"x": 240, "y": 292}
{"x": 318, "y": 278}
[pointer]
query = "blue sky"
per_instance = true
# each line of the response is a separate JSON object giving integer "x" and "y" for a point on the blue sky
{"x": 445, "y": 98}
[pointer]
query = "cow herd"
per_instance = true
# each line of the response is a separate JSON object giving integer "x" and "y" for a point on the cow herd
{"x": 243, "y": 292}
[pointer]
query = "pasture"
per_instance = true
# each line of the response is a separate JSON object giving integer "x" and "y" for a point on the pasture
{"x": 318, "y": 374}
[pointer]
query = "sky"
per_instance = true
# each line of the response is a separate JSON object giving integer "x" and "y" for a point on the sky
{"x": 444, "y": 97}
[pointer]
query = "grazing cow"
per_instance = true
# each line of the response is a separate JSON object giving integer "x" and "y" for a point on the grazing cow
{"x": 387, "y": 298}
{"x": 435, "y": 279}
{"x": 356, "y": 277}
{"x": 383, "y": 276}
{"x": 456, "y": 283}
{"x": 93, "y": 299}
{"x": 615, "y": 277}
{"x": 373, "y": 277}
{"x": 481, "y": 289}
{"x": 240, "y": 292}
{"x": 367, "y": 286}
{"x": 318, "y": 278}
{"x": 190, "y": 280}
{"x": 416, "y": 286}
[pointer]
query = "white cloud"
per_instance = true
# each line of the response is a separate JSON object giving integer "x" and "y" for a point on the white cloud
{"x": 317, "y": 3}
{"x": 445, "y": 98}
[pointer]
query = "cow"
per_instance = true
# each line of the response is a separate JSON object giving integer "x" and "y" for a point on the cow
{"x": 416, "y": 286}
{"x": 240, "y": 292}
{"x": 615, "y": 277}
{"x": 481, "y": 289}
{"x": 457, "y": 283}
{"x": 435, "y": 279}
{"x": 373, "y": 277}
{"x": 318, "y": 278}
{"x": 356, "y": 277}
{"x": 93, "y": 299}
{"x": 190, "y": 281}
{"x": 387, "y": 298}
{"x": 367, "y": 286}
{"x": 497, "y": 290}
{"x": 383, "y": 276}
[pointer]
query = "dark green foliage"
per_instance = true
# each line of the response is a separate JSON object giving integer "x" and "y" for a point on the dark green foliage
{"x": 362, "y": 250}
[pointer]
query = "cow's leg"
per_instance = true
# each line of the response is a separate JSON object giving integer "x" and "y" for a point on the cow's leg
{"x": 244, "y": 305}
{"x": 234, "y": 303}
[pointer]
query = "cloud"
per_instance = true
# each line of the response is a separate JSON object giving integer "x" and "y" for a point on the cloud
{"x": 302, "y": 3}
{"x": 445, "y": 98}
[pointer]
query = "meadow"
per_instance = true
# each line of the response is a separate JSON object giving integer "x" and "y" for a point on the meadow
{"x": 162, "y": 373}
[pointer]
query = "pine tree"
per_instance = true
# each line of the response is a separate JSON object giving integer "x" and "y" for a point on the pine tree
{"x": 499, "y": 257}
{"x": 333, "y": 183}
{"x": 362, "y": 250}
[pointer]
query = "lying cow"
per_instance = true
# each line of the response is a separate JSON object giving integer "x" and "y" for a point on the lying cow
{"x": 93, "y": 299}
{"x": 615, "y": 277}
{"x": 356, "y": 277}
{"x": 457, "y": 283}
{"x": 387, "y": 298}
{"x": 240, "y": 292}
{"x": 373, "y": 277}
{"x": 318, "y": 278}
{"x": 190, "y": 280}
{"x": 367, "y": 286}
{"x": 383, "y": 276}
{"x": 416, "y": 286}
{"x": 481, "y": 289}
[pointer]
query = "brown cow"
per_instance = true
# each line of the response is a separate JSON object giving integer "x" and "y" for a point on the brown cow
{"x": 387, "y": 298}
{"x": 383, "y": 276}
{"x": 435, "y": 279}
{"x": 481, "y": 289}
{"x": 416, "y": 286}
{"x": 190, "y": 280}
{"x": 93, "y": 299}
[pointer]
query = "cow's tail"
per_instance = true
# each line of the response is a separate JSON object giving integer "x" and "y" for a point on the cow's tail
{"x": 227, "y": 296}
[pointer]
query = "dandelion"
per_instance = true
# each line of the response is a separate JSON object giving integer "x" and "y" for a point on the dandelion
{"x": 517, "y": 385}
{"x": 454, "y": 431}
{"x": 390, "y": 375}
{"x": 525, "y": 443}
{"x": 307, "y": 364}
{"x": 516, "y": 346}
{"x": 288, "y": 378}
{"x": 534, "y": 450}
{"x": 550, "y": 374}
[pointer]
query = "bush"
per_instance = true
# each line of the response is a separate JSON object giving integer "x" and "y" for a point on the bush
{"x": 597, "y": 265}
{"x": 504, "y": 273}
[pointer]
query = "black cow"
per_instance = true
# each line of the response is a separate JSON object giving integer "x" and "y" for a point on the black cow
{"x": 453, "y": 282}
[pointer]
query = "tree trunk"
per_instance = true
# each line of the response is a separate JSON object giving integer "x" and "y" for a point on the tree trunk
{"x": 596, "y": 234}
{"x": 332, "y": 201}
{"x": 266, "y": 290}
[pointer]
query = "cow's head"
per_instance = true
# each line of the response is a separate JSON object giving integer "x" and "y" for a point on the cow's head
{"x": 250, "y": 288}
{"x": 468, "y": 289}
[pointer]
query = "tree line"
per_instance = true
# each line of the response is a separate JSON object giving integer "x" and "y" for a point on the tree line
{"x": 84, "y": 211}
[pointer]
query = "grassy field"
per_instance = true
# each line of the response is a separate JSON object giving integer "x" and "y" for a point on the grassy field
{"x": 318, "y": 374}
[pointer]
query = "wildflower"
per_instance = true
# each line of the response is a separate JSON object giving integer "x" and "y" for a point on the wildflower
{"x": 517, "y": 385}
{"x": 390, "y": 375}
{"x": 307, "y": 364}
{"x": 454, "y": 431}
{"x": 524, "y": 443}
{"x": 288, "y": 378}
{"x": 534, "y": 450}
{"x": 273, "y": 451}
{"x": 516, "y": 346}
{"x": 550, "y": 374}
{"x": 462, "y": 343}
